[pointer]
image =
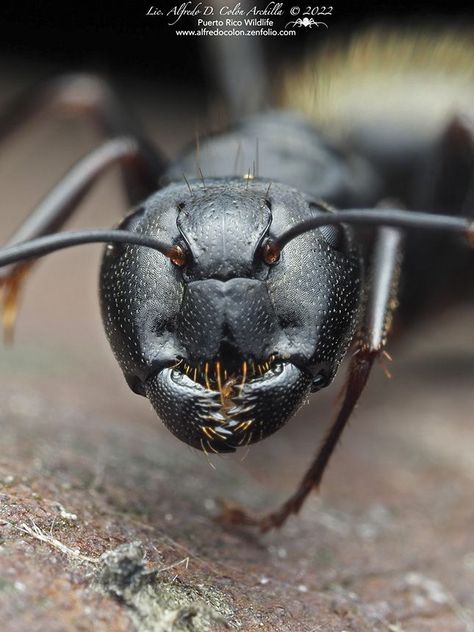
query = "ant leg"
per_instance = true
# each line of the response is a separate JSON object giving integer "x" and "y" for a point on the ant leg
{"x": 447, "y": 178}
{"x": 240, "y": 69}
{"x": 140, "y": 163}
{"x": 445, "y": 185}
{"x": 60, "y": 203}
{"x": 88, "y": 96}
{"x": 379, "y": 308}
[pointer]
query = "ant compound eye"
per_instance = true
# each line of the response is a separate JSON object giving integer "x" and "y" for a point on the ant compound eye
{"x": 178, "y": 255}
{"x": 271, "y": 252}
{"x": 319, "y": 381}
{"x": 334, "y": 235}
{"x": 131, "y": 221}
{"x": 128, "y": 223}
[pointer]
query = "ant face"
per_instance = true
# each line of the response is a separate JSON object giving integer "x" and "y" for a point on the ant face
{"x": 228, "y": 337}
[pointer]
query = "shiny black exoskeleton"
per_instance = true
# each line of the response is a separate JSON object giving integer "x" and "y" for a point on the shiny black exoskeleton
{"x": 227, "y": 341}
{"x": 235, "y": 288}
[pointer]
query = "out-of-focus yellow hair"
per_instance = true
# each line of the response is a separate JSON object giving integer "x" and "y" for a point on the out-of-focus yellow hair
{"x": 416, "y": 78}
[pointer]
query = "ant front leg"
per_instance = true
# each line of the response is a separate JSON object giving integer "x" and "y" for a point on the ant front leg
{"x": 380, "y": 305}
{"x": 59, "y": 205}
{"x": 141, "y": 166}
{"x": 90, "y": 97}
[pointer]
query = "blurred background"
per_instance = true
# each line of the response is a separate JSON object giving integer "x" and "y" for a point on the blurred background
{"x": 390, "y": 541}
{"x": 122, "y": 40}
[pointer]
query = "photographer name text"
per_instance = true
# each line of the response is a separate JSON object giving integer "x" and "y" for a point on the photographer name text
{"x": 256, "y": 16}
